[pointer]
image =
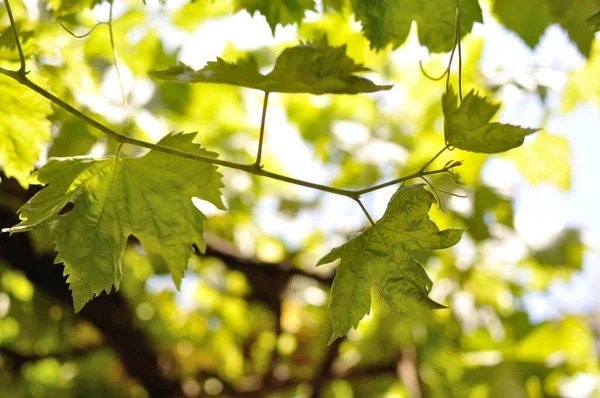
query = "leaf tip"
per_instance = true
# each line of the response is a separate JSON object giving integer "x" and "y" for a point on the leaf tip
{"x": 333, "y": 338}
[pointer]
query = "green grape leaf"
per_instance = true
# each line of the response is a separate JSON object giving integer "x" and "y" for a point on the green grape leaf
{"x": 149, "y": 197}
{"x": 24, "y": 128}
{"x": 8, "y": 46}
{"x": 388, "y": 22}
{"x": 468, "y": 126}
{"x": 190, "y": 16}
{"x": 284, "y": 12}
{"x": 66, "y": 7}
{"x": 583, "y": 85}
{"x": 530, "y": 19}
{"x": 315, "y": 68}
{"x": 566, "y": 250}
{"x": 488, "y": 201}
{"x": 537, "y": 161}
{"x": 382, "y": 254}
{"x": 594, "y": 21}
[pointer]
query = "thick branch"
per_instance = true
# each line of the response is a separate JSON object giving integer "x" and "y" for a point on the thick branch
{"x": 18, "y": 359}
{"x": 110, "y": 314}
{"x": 325, "y": 372}
{"x": 231, "y": 256}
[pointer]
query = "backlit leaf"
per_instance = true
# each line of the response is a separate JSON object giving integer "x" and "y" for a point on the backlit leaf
{"x": 278, "y": 12}
{"x": 315, "y": 68}
{"x": 65, "y": 7}
{"x": 583, "y": 85}
{"x": 382, "y": 254}
{"x": 388, "y": 22}
{"x": 149, "y": 197}
{"x": 23, "y": 129}
{"x": 530, "y": 19}
{"x": 547, "y": 159}
{"x": 468, "y": 126}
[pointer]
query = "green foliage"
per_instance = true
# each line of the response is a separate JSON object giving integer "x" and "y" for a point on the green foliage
{"x": 23, "y": 129}
{"x": 252, "y": 316}
{"x": 8, "y": 48}
{"x": 149, "y": 197}
{"x": 468, "y": 125}
{"x": 383, "y": 254}
{"x": 387, "y": 22}
{"x": 315, "y": 68}
{"x": 537, "y": 161}
{"x": 65, "y": 7}
{"x": 284, "y": 12}
{"x": 584, "y": 84}
{"x": 565, "y": 251}
{"x": 531, "y": 18}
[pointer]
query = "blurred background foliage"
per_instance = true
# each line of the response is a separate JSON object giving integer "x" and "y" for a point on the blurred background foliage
{"x": 251, "y": 318}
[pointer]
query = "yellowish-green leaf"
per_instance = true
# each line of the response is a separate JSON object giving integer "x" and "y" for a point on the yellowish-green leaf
{"x": 468, "y": 126}
{"x": 191, "y": 15}
{"x": 65, "y": 7}
{"x": 383, "y": 254}
{"x": 547, "y": 159}
{"x": 584, "y": 84}
{"x": 278, "y": 12}
{"x": 8, "y": 47}
{"x": 315, "y": 68}
{"x": 388, "y": 22}
{"x": 570, "y": 337}
{"x": 23, "y": 129}
{"x": 149, "y": 197}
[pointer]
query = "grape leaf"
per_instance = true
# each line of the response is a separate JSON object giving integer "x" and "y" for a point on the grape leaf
{"x": 382, "y": 254}
{"x": 8, "y": 46}
{"x": 388, "y": 22}
{"x": 66, "y": 7}
{"x": 529, "y": 19}
{"x": 23, "y": 129}
{"x": 537, "y": 162}
{"x": 284, "y": 12}
{"x": 315, "y": 68}
{"x": 583, "y": 85}
{"x": 149, "y": 197}
{"x": 468, "y": 126}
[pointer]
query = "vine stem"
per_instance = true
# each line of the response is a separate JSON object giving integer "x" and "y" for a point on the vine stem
{"x": 364, "y": 209}
{"x": 21, "y": 70}
{"x": 262, "y": 130}
{"x": 249, "y": 168}
{"x": 418, "y": 174}
{"x": 84, "y": 35}
{"x": 21, "y": 77}
{"x": 460, "y": 94}
{"x": 114, "y": 50}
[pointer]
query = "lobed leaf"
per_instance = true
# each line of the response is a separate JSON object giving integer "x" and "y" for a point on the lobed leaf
{"x": 530, "y": 19}
{"x": 278, "y": 12}
{"x": 468, "y": 126}
{"x": 382, "y": 254}
{"x": 315, "y": 68}
{"x": 148, "y": 197}
{"x": 388, "y": 22}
